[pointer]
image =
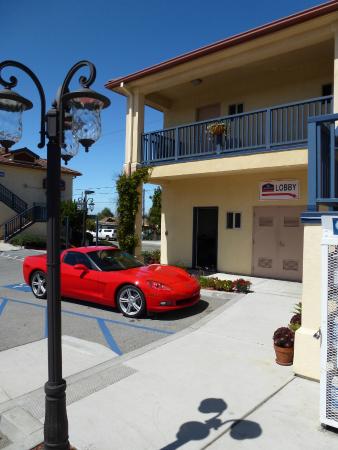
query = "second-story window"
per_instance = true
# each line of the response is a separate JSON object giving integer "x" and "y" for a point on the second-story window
{"x": 236, "y": 108}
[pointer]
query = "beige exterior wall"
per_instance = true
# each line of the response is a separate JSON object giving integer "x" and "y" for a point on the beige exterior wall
{"x": 307, "y": 348}
{"x": 27, "y": 183}
{"x": 286, "y": 66}
{"x": 272, "y": 161}
{"x": 238, "y": 193}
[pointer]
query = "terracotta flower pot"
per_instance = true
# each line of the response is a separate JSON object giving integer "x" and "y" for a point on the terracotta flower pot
{"x": 284, "y": 356}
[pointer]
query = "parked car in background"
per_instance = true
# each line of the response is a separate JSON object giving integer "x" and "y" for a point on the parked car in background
{"x": 108, "y": 234}
{"x": 109, "y": 276}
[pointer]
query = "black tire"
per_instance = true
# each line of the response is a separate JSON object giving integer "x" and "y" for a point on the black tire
{"x": 130, "y": 301}
{"x": 38, "y": 284}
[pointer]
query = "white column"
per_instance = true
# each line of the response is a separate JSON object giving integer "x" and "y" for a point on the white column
{"x": 134, "y": 129}
{"x": 129, "y": 135}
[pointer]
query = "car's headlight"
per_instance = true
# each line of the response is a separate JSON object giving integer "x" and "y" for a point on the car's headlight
{"x": 157, "y": 285}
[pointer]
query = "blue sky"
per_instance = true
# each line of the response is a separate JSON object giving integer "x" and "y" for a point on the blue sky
{"x": 119, "y": 38}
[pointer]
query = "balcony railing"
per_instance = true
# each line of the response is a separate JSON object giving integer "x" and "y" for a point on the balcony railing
{"x": 281, "y": 126}
{"x": 323, "y": 162}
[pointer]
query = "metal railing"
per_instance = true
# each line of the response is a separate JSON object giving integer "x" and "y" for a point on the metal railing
{"x": 261, "y": 130}
{"x": 16, "y": 224}
{"x": 12, "y": 200}
{"x": 323, "y": 161}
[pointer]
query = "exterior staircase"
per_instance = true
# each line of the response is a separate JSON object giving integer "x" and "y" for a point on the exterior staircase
{"x": 25, "y": 216}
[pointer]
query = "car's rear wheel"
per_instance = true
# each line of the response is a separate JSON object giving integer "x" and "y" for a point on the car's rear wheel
{"x": 130, "y": 301}
{"x": 39, "y": 284}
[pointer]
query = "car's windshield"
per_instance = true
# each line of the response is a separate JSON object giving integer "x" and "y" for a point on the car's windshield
{"x": 110, "y": 260}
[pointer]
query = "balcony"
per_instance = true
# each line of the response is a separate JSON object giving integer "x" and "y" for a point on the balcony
{"x": 279, "y": 127}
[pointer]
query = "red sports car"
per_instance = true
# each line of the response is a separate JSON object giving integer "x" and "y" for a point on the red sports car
{"x": 110, "y": 276}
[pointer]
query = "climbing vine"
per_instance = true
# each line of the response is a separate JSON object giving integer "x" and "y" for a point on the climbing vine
{"x": 128, "y": 189}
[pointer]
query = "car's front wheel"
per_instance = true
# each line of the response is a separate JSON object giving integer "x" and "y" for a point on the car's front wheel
{"x": 39, "y": 284}
{"x": 130, "y": 301}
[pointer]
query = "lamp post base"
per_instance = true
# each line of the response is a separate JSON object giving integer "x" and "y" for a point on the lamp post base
{"x": 56, "y": 422}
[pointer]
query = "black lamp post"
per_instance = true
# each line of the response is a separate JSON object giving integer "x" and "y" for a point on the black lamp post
{"x": 74, "y": 118}
{"x": 84, "y": 203}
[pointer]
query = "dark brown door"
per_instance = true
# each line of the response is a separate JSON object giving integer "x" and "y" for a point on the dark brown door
{"x": 205, "y": 236}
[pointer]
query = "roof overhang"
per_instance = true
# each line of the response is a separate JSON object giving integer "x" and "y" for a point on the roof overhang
{"x": 120, "y": 84}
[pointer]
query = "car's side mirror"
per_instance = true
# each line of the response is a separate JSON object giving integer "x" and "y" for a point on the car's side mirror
{"x": 81, "y": 267}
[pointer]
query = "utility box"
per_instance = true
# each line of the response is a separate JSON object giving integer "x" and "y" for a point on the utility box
{"x": 329, "y": 323}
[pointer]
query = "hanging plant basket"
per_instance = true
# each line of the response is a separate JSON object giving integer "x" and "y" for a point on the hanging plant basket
{"x": 217, "y": 128}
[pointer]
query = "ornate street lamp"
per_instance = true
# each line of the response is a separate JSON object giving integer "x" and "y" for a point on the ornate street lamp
{"x": 73, "y": 119}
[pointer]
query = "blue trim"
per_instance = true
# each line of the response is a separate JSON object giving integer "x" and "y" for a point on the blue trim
{"x": 323, "y": 118}
{"x": 312, "y": 165}
{"x": 108, "y": 337}
{"x": 314, "y": 217}
{"x": 3, "y": 305}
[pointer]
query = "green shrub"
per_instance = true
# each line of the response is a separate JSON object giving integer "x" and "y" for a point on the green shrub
{"x": 241, "y": 285}
{"x": 29, "y": 241}
{"x": 153, "y": 257}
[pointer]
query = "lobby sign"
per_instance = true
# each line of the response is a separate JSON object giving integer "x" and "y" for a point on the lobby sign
{"x": 279, "y": 190}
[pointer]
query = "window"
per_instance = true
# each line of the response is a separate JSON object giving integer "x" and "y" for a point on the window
{"x": 112, "y": 260}
{"x": 73, "y": 258}
{"x": 234, "y": 220}
{"x": 236, "y": 109}
{"x": 326, "y": 89}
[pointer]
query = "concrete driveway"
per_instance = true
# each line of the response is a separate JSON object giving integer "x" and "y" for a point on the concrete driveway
{"x": 213, "y": 385}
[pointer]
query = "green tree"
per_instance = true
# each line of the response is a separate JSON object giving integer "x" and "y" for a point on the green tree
{"x": 106, "y": 212}
{"x": 91, "y": 224}
{"x": 69, "y": 209}
{"x": 155, "y": 210}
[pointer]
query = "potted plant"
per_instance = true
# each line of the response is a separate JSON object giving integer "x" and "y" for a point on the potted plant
{"x": 295, "y": 322}
{"x": 283, "y": 339}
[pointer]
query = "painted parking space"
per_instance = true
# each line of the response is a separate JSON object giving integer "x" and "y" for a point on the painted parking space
{"x": 23, "y": 318}
{"x": 105, "y": 326}
{"x": 22, "y": 287}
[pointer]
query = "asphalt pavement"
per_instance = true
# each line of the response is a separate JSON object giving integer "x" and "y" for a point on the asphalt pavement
{"x": 23, "y": 318}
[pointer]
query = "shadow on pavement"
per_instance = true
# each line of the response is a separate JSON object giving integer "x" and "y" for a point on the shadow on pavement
{"x": 190, "y": 311}
{"x": 196, "y": 431}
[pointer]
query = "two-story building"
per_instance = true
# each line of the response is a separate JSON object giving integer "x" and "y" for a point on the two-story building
{"x": 23, "y": 192}
{"x": 232, "y": 158}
